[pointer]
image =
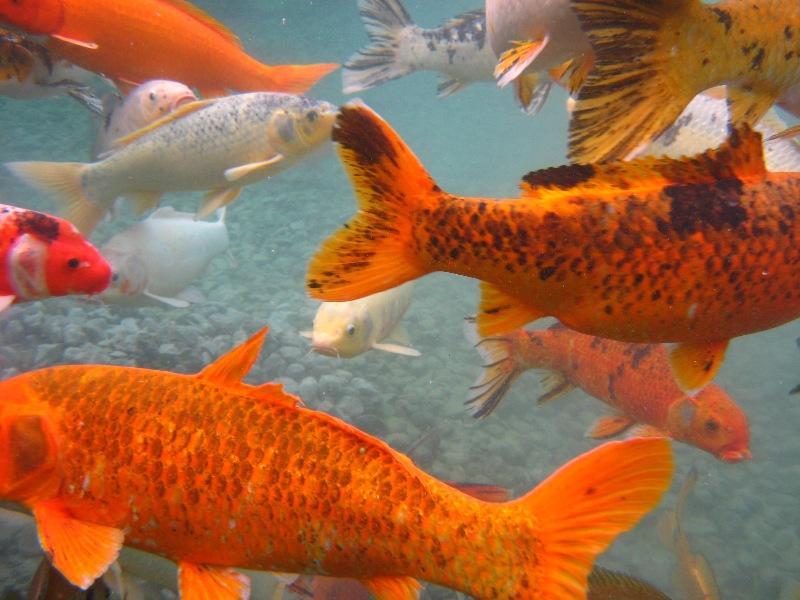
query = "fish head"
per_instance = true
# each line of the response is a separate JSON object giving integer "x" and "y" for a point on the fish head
{"x": 33, "y": 16}
{"x": 712, "y": 421}
{"x": 155, "y": 99}
{"x": 341, "y": 329}
{"x": 301, "y": 124}
{"x": 28, "y": 448}
{"x": 128, "y": 276}
{"x": 75, "y": 266}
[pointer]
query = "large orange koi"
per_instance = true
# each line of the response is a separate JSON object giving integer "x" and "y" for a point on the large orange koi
{"x": 213, "y": 474}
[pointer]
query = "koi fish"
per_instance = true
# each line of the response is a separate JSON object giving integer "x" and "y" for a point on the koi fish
{"x": 536, "y": 39}
{"x": 159, "y": 258}
{"x": 43, "y": 256}
{"x": 692, "y": 251}
{"x": 143, "y": 105}
{"x": 299, "y": 491}
{"x": 693, "y": 574}
{"x": 634, "y": 379}
{"x": 654, "y": 56}
{"x": 29, "y": 70}
{"x": 170, "y": 39}
{"x": 457, "y": 49}
{"x": 704, "y": 124}
{"x": 605, "y": 584}
{"x": 218, "y": 145}
{"x": 347, "y": 329}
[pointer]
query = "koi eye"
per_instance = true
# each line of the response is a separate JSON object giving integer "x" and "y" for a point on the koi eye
{"x": 73, "y": 263}
{"x": 115, "y": 278}
{"x": 351, "y": 329}
{"x": 711, "y": 426}
{"x": 153, "y": 96}
{"x": 312, "y": 116}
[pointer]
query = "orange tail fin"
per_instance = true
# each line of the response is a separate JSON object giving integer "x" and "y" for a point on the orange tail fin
{"x": 582, "y": 507}
{"x": 375, "y": 249}
{"x": 293, "y": 79}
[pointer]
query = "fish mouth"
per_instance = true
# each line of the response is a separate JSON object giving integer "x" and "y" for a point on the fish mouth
{"x": 325, "y": 350}
{"x": 734, "y": 456}
{"x": 183, "y": 99}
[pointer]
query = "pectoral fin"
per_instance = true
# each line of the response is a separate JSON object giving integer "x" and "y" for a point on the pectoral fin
{"x": 749, "y": 105}
{"x": 396, "y": 349}
{"x": 261, "y": 168}
{"x": 555, "y": 385}
{"x": 144, "y": 201}
{"x": 174, "y": 302}
{"x": 204, "y": 582}
{"x": 399, "y": 334}
{"x": 6, "y": 301}
{"x": 393, "y": 588}
{"x": 514, "y": 61}
{"x": 80, "y": 551}
{"x": 500, "y": 313}
{"x": 192, "y": 295}
{"x": 74, "y": 42}
{"x": 609, "y": 426}
{"x": 216, "y": 199}
{"x": 531, "y": 92}
{"x": 448, "y": 87}
{"x": 694, "y": 365}
{"x": 307, "y": 334}
{"x": 786, "y": 133}
{"x": 644, "y": 430}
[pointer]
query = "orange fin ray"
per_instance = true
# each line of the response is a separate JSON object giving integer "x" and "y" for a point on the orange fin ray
{"x": 609, "y": 426}
{"x": 393, "y": 588}
{"x": 80, "y": 551}
{"x": 514, "y": 61}
{"x": 374, "y": 251}
{"x": 555, "y": 385}
{"x": 500, "y": 312}
{"x": 695, "y": 365}
{"x": 206, "y": 19}
{"x": 497, "y": 375}
{"x": 204, "y": 582}
{"x": 531, "y": 92}
{"x": 585, "y": 504}
{"x": 749, "y": 105}
{"x": 231, "y": 368}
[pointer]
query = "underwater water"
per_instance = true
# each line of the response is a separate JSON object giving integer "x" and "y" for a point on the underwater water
{"x": 743, "y": 517}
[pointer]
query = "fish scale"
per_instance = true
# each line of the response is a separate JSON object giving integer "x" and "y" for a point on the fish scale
{"x": 213, "y": 473}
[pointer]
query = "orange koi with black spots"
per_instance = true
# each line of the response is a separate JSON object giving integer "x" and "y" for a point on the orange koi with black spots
{"x": 693, "y": 251}
{"x": 214, "y": 474}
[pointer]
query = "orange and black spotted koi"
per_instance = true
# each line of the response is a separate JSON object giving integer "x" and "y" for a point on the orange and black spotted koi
{"x": 693, "y": 251}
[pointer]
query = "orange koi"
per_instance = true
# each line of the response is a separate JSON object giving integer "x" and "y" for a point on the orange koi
{"x": 654, "y": 56}
{"x": 215, "y": 474}
{"x": 133, "y": 41}
{"x": 693, "y": 251}
{"x": 635, "y": 379}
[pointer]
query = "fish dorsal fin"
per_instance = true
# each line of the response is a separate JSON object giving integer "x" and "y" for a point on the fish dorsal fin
{"x": 179, "y": 112}
{"x": 459, "y": 20}
{"x": 740, "y": 156}
{"x": 273, "y": 392}
{"x": 229, "y": 369}
{"x": 206, "y": 19}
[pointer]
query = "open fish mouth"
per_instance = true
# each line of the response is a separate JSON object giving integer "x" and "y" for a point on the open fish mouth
{"x": 734, "y": 456}
{"x": 183, "y": 99}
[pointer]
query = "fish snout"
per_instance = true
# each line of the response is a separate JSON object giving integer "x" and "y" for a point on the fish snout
{"x": 737, "y": 455}
{"x": 181, "y": 100}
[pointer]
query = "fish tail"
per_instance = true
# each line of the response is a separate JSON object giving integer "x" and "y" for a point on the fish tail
{"x": 293, "y": 79}
{"x": 380, "y": 61}
{"x": 62, "y": 181}
{"x": 634, "y": 92}
{"x": 577, "y": 512}
{"x": 498, "y": 373}
{"x": 375, "y": 250}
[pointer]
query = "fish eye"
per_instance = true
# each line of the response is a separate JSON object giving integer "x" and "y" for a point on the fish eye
{"x": 351, "y": 329}
{"x": 153, "y": 96}
{"x": 73, "y": 263}
{"x": 115, "y": 278}
{"x": 711, "y": 426}
{"x": 312, "y": 115}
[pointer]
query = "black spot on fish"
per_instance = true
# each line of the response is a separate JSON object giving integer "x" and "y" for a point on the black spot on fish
{"x": 788, "y": 32}
{"x": 641, "y": 352}
{"x": 757, "y": 59}
{"x": 431, "y": 46}
{"x": 697, "y": 205}
{"x": 546, "y": 273}
{"x": 358, "y": 131}
{"x": 38, "y": 224}
{"x": 723, "y": 17}
{"x": 451, "y": 52}
{"x": 563, "y": 177}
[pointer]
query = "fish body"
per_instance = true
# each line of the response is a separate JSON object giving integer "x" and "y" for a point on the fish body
{"x": 347, "y": 329}
{"x": 43, "y": 256}
{"x": 29, "y": 70}
{"x": 170, "y": 39}
{"x": 536, "y": 37}
{"x": 162, "y": 255}
{"x": 218, "y": 145}
{"x": 693, "y": 251}
{"x": 213, "y": 474}
{"x": 605, "y": 584}
{"x": 143, "y": 105}
{"x": 634, "y": 379}
{"x": 704, "y": 124}
{"x": 654, "y": 56}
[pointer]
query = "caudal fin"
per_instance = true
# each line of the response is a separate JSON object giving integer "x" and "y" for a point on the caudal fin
{"x": 582, "y": 507}
{"x": 498, "y": 373}
{"x": 375, "y": 250}
{"x": 632, "y": 94}
{"x": 63, "y": 183}
{"x": 380, "y": 61}
{"x": 294, "y": 79}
